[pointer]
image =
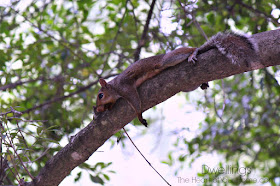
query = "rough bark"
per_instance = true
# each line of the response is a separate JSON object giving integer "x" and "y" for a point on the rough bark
{"x": 183, "y": 77}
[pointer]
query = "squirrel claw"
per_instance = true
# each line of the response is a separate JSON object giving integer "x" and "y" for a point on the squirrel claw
{"x": 204, "y": 86}
{"x": 144, "y": 122}
{"x": 192, "y": 59}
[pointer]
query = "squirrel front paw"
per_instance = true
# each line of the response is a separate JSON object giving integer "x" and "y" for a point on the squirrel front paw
{"x": 144, "y": 122}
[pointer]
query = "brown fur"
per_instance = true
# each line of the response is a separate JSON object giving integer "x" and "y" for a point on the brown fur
{"x": 125, "y": 85}
{"x": 234, "y": 46}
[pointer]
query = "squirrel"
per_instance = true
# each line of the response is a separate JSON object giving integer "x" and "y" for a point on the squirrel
{"x": 125, "y": 84}
{"x": 234, "y": 46}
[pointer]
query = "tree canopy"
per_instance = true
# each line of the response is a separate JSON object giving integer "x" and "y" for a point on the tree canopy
{"x": 54, "y": 52}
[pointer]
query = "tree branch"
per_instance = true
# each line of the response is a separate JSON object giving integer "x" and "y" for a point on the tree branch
{"x": 267, "y": 16}
{"x": 20, "y": 82}
{"x": 61, "y": 98}
{"x": 211, "y": 65}
{"x": 141, "y": 42}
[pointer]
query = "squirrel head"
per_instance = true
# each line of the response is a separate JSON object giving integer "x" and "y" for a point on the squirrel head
{"x": 106, "y": 97}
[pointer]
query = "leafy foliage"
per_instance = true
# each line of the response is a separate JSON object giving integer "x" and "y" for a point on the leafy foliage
{"x": 52, "y": 54}
{"x": 242, "y": 111}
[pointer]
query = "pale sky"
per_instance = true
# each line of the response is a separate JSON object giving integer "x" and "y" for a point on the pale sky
{"x": 132, "y": 169}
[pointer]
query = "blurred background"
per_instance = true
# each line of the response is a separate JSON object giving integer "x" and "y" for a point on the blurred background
{"x": 54, "y": 52}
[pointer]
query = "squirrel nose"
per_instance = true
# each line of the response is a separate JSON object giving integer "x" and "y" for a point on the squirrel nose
{"x": 100, "y": 109}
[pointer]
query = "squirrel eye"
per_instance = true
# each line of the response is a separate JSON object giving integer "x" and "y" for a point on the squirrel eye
{"x": 100, "y": 96}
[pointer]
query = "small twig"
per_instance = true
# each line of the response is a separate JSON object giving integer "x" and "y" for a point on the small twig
{"x": 197, "y": 25}
{"x": 15, "y": 112}
{"x": 117, "y": 34}
{"x": 2, "y": 172}
{"x": 119, "y": 29}
{"x": 199, "y": 28}
{"x": 15, "y": 151}
{"x": 34, "y": 121}
{"x": 145, "y": 158}
{"x": 216, "y": 111}
{"x": 20, "y": 131}
{"x": 160, "y": 130}
{"x": 135, "y": 18}
{"x": 141, "y": 42}
{"x": 64, "y": 42}
{"x": 5, "y": 113}
{"x": 267, "y": 16}
{"x": 82, "y": 89}
{"x": 15, "y": 174}
{"x": 13, "y": 85}
{"x": 42, "y": 155}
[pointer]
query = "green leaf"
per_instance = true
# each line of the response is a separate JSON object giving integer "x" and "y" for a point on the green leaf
{"x": 96, "y": 179}
{"x": 106, "y": 177}
{"x": 78, "y": 177}
{"x": 39, "y": 130}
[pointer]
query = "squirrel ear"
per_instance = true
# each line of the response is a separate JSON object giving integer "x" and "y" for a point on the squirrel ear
{"x": 102, "y": 82}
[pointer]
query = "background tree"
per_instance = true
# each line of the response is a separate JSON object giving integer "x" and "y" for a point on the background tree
{"x": 52, "y": 54}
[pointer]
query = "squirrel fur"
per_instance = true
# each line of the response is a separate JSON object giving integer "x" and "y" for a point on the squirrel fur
{"x": 125, "y": 84}
{"x": 235, "y": 47}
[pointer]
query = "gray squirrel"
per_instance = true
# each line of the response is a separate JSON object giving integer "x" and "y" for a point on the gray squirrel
{"x": 235, "y": 47}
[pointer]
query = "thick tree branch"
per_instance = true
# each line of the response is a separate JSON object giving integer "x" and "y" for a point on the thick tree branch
{"x": 183, "y": 77}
